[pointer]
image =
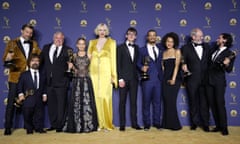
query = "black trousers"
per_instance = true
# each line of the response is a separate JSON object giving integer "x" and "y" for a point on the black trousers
{"x": 131, "y": 89}
{"x": 10, "y": 108}
{"x": 57, "y": 100}
{"x": 198, "y": 104}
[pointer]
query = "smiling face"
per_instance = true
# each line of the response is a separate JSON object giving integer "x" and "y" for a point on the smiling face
{"x": 152, "y": 37}
{"x": 169, "y": 42}
{"x": 58, "y": 39}
{"x": 27, "y": 33}
{"x": 197, "y": 37}
{"x": 81, "y": 45}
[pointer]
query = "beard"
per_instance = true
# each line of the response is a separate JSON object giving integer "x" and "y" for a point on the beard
{"x": 35, "y": 66}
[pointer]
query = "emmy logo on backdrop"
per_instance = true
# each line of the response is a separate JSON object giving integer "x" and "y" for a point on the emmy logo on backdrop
{"x": 18, "y": 103}
{"x": 208, "y": 21}
{"x": 158, "y": 22}
{"x": 144, "y": 75}
{"x": 234, "y": 2}
{"x": 33, "y": 4}
{"x": 134, "y": 7}
{"x": 84, "y": 6}
{"x": 184, "y": 6}
{"x": 58, "y": 21}
{"x": 108, "y": 21}
{"x": 187, "y": 72}
{"x": 6, "y": 21}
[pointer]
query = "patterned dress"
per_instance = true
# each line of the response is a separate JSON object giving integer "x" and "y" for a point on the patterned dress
{"x": 82, "y": 114}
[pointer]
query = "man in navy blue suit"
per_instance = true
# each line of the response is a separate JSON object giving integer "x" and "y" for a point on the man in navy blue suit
{"x": 151, "y": 88}
{"x": 32, "y": 92}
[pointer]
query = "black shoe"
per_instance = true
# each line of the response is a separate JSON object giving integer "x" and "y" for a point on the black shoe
{"x": 205, "y": 128}
{"x": 59, "y": 130}
{"x": 193, "y": 127}
{"x": 51, "y": 129}
{"x": 122, "y": 128}
{"x": 41, "y": 131}
{"x": 146, "y": 128}
{"x": 29, "y": 131}
{"x": 7, "y": 132}
{"x": 157, "y": 126}
{"x": 216, "y": 129}
{"x": 137, "y": 127}
{"x": 225, "y": 132}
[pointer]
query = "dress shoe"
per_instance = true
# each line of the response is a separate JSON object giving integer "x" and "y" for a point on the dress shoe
{"x": 122, "y": 128}
{"x": 137, "y": 127}
{"x": 216, "y": 129}
{"x": 7, "y": 132}
{"x": 59, "y": 130}
{"x": 146, "y": 128}
{"x": 41, "y": 131}
{"x": 193, "y": 127}
{"x": 225, "y": 132}
{"x": 29, "y": 131}
{"x": 51, "y": 129}
{"x": 157, "y": 126}
{"x": 205, "y": 128}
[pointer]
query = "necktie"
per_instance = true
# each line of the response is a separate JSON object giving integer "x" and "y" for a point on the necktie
{"x": 197, "y": 44}
{"x": 35, "y": 81}
{"x": 155, "y": 53}
{"x": 215, "y": 55}
{"x": 26, "y": 42}
{"x": 55, "y": 54}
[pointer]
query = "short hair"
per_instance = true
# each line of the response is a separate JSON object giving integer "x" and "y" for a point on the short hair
{"x": 151, "y": 30}
{"x": 58, "y": 32}
{"x": 131, "y": 29}
{"x": 194, "y": 31}
{"x": 32, "y": 56}
{"x": 172, "y": 35}
{"x": 102, "y": 25}
{"x": 228, "y": 38}
{"x": 27, "y": 26}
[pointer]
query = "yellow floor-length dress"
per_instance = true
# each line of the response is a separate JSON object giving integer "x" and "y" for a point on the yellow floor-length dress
{"x": 103, "y": 73}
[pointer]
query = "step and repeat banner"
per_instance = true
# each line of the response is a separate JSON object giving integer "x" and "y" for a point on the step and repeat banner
{"x": 78, "y": 18}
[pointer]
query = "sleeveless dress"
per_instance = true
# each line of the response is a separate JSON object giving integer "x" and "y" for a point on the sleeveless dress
{"x": 82, "y": 114}
{"x": 169, "y": 94}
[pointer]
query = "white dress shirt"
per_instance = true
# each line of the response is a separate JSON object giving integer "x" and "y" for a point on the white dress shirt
{"x": 199, "y": 50}
{"x": 52, "y": 50}
{"x": 26, "y": 47}
{"x": 131, "y": 50}
{"x": 150, "y": 51}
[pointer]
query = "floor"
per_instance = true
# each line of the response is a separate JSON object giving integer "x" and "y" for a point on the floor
{"x": 130, "y": 136}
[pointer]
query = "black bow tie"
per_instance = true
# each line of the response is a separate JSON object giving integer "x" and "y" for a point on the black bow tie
{"x": 132, "y": 45}
{"x": 27, "y": 42}
{"x": 196, "y": 44}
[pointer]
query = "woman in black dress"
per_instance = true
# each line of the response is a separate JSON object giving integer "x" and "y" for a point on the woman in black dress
{"x": 82, "y": 114}
{"x": 171, "y": 81}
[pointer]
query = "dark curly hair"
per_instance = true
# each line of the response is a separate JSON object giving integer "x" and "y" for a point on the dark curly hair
{"x": 172, "y": 35}
{"x": 228, "y": 38}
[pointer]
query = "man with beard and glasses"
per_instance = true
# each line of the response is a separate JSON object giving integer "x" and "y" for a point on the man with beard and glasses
{"x": 31, "y": 91}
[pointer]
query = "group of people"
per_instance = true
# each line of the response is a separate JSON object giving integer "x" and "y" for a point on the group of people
{"x": 38, "y": 76}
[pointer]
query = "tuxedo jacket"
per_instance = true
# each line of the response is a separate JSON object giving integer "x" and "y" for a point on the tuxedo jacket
{"x": 127, "y": 68}
{"x": 198, "y": 67}
{"x": 216, "y": 71}
{"x": 55, "y": 71}
{"x": 155, "y": 67}
{"x": 19, "y": 57}
{"x": 26, "y": 83}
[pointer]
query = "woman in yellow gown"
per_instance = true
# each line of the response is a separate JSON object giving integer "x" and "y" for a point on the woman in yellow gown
{"x": 102, "y": 52}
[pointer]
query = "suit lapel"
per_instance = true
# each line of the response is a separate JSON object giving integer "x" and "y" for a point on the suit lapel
{"x": 128, "y": 52}
{"x": 19, "y": 44}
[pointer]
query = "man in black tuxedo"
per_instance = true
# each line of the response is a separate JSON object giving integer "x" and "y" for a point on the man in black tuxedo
{"x": 31, "y": 90}
{"x": 127, "y": 54}
{"x": 54, "y": 57}
{"x": 15, "y": 59}
{"x": 221, "y": 60}
{"x": 195, "y": 60}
